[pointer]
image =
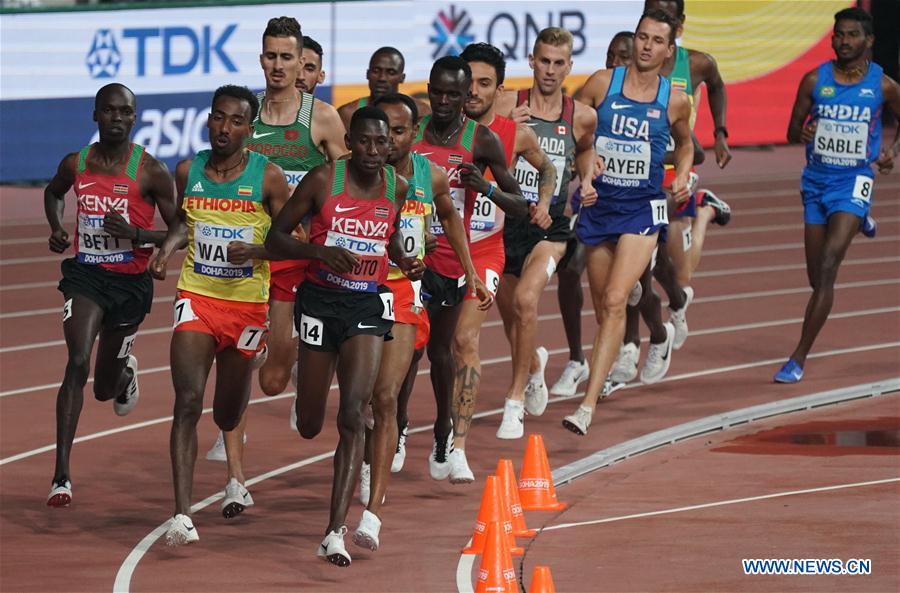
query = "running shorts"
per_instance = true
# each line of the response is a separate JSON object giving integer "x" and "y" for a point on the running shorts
{"x": 234, "y": 324}
{"x": 125, "y": 298}
{"x": 325, "y": 317}
{"x": 825, "y": 195}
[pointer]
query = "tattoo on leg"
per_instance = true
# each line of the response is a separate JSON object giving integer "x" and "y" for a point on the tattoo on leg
{"x": 468, "y": 380}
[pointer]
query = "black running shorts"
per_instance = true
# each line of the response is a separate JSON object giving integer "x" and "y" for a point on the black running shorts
{"x": 326, "y": 317}
{"x": 125, "y": 298}
{"x": 442, "y": 291}
{"x": 520, "y": 238}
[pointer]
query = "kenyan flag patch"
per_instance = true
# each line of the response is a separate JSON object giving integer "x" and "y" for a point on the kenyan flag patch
{"x": 455, "y": 159}
{"x": 245, "y": 190}
{"x": 120, "y": 188}
{"x": 382, "y": 212}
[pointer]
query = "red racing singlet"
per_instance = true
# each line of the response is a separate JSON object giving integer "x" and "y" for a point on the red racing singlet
{"x": 443, "y": 260}
{"x": 98, "y": 194}
{"x": 361, "y": 226}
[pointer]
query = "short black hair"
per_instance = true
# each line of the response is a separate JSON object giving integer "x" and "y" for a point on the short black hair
{"x": 856, "y": 14}
{"x": 368, "y": 112}
{"x": 284, "y": 26}
{"x": 310, "y": 43}
{"x": 679, "y": 6}
{"x": 490, "y": 55}
{"x": 388, "y": 50}
{"x": 241, "y": 93}
{"x": 661, "y": 16}
{"x": 113, "y": 86}
{"x": 625, "y": 34}
{"x": 400, "y": 99}
{"x": 452, "y": 64}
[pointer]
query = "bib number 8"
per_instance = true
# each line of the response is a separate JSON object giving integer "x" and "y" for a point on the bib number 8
{"x": 862, "y": 189}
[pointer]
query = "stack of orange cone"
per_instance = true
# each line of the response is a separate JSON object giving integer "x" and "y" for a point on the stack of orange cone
{"x": 536, "y": 489}
{"x": 541, "y": 580}
{"x": 509, "y": 492}
{"x": 492, "y": 510}
{"x": 496, "y": 573}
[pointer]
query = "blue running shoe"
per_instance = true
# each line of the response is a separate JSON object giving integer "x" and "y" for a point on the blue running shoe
{"x": 791, "y": 372}
{"x": 868, "y": 226}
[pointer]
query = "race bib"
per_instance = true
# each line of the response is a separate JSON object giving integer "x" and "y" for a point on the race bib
{"x": 627, "y": 161}
{"x": 370, "y": 254}
{"x": 250, "y": 338}
{"x": 183, "y": 312}
{"x": 687, "y": 238}
{"x": 294, "y": 178}
{"x": 484, "y": 214}
{"x": 458, "y": 197}
{"x": 412, "y": 228}
{"x": 211, "y": 250}
{"x": 311, "y": 330}
{"x": 862, "y": 188}
{"x": 127, "y": 346}
{"x": 417, "y": 294}
{"x": 96, "y": 246}
{"x": 659, "y": 212}
{"x": 387, "y": 302}
{"x": 528, "y": 177}
{"x": 841, "y": 139}
{"x": 492, "y": 281}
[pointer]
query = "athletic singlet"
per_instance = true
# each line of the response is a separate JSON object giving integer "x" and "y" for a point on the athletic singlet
{"x": 98, "y": 194}
{"x": 680, "y": 77}
{"x": 361, "y": 226}
{"x": 363, "y": 101}
{"x": 557, "y": 140}
{"x": 443, "y": 260}
{"x": 487, "y": 219}
{"x": 848, "y": 130}
{"x": 418, "y": 205}
{"x": 631, "y": 136}
{"x": 217, "y": 214}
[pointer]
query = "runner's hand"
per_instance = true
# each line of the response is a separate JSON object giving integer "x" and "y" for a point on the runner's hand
{"x": 471, "y": 177}
{"x": 485, "y": 300}
{"x": 239, "y": 252}
{"x": 885, "y": 161}
{"x": 723, "y": 153}
{"x": 599, "y": 166}
{"x": 338, "y": 259}
{"x": 158, "y": 267}
{"x": 809, "y": 132}
{"x": 521, "y": 114}
{"x": 116, "y": 226}
{"x": 680, "y": 191}
{"x": 539, "y": 216}
{"x": 59, "y": 241}
{"x": 412, "y": 267}
{"x": 430, "y": 242}
{"x": 588, "y": 194}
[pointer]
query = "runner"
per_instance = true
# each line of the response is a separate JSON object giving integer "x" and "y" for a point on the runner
{"x": 311, "y": 73}
{"x": 384, "y": 74}
{"x": 226, "y": 196}
{"x": 428, "y": 185}
{"x": 344, "y": 312}
{"x": 106, "y": 288}
{"x": 837, "y": 114}
{"x": 464, "y": 149}
{"x": 566, "y": 133}
{"x": 620, "y": 219}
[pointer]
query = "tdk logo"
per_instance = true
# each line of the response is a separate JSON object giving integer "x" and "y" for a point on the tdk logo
{"x": 103, "y": 59}
{"x": 226, "y": 233}
{"x": 180, "y": 50}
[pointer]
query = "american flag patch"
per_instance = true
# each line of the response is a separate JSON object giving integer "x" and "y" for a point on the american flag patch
{"x": 420, "y": 193}
{"x": 561, "y": 130}
{"x": 382, "y": 212}
{"x": 245, "y": 190}
{"x": 455, "y": 159}
{"x": 653, "y": 113}
{"x": 120, "y": 188}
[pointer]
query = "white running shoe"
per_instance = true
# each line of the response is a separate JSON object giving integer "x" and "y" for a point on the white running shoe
{"x": 132, "y": 392}
{"x": 634, "y": 297}
{"x": 181, "y": 531}
{"x": 679, "y": 321}
{"x": 260, "y": 357}
{"x": 438, "y": 464}
{"x": 217, "y": 451}
{"x": 365, "y": 483}
{"x": 659, "y": 356}
{"x": 513, "y": 424}
{"x": 536, "y": 393}
{"x": 237, "y": 498}
{"x": 400, "y": 455}
{"x": 60, "y": 494}
{"x": 626, "y": 367}
{"x": 332, "y": 548}
{"x": 580, "y": 421}
{"x": 572, "y": 376}
{"x": 366, "y": 535}
{"x": 610, "y": 387}
{"x": 460, "y": 473}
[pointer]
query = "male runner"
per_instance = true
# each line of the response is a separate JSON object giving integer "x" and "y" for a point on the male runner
{"x": 619, "y": 222}
{"x": 311, "y": 73}
{"x": 106, "y": 287}
{"x": 463, "y": 148}
{"x": 344, "y": 312}
{"x": 384, "y": 75}
{"x": 566, "y": 132}
{"x": 226, "y": 196}
{"x": 429, "y": 191}
{"x": 837, "y": 114}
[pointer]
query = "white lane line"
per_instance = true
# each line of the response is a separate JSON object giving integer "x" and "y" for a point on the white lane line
{"x": 29, "y": 285}
{"x": 51, "y": 343}
{"x": 721, "y": 503}
{"x": 15, "y": 261}
{"x": 58, "y": 310}
{"x": 784, "y": 247}
{"x": 783, "y": 227}
{"x": 741, "y": 213}
{"x": 23, "y": 241}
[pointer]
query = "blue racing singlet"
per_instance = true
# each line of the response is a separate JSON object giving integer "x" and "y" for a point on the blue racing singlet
{"x": 848, "y": 132}
{"x": 631, "y": 136}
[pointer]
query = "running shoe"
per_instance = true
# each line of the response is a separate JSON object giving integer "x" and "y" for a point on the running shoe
{"x": 791, "y": 372}
{"x": 60, "y": 493}
{"x": 513, "y": 424}
{"x": 438, "y": 465}
{"x": 610, "y": 387}
{"x": 181, "y": 531}
{"x": 678, "y": 319}
{"x": 659, "y": 356}
{"x": 536, "y": 394}
{"x": 126, "y": 402}
{"x": 237, "y": 498}
{"x": 722, "y": 209}
{"x": 626, "y": 367}
{"x": 332, "y": 548}
{"x": 365, "y": 483}
{"x": 634, "y": 297}
{"x": 572, "y": 376}
{"x": 400, "y": 455}
{"x": 580, "y": 421}
{"x": 217, "y": 451}
{"x": 366, "y": 535}
{"x": 868, "y": 226}
{"x": 460, "y": 473}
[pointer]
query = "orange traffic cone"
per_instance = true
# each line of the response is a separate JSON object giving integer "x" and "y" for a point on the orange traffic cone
{"x": 492, "y": 510}
{"x": 496, "y": 573}
{"x": 509, "y": 492}
{"x": 541, "y": 580}
{"x": 536, "y": 489}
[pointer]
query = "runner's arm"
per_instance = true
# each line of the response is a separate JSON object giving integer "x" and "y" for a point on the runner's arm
{"x": 327, "y": 131}
{"x": 680, "y": 114}
{"x": 594, "y": 90}
{"x": 55, "y": 202}
{"x": 158, "y": 185}
{"x": 797, "y": 133}
{"x": 275, "y": 193}
{"x": 890, "y": 90}
{"x": 699, "y": 155}
{"x": 528, "y": 147}
{"x": 706, "y": 66}
{"x": 176, "y": 235}
{"x": 489, "y": 153}
{"x": 588, "y": 164}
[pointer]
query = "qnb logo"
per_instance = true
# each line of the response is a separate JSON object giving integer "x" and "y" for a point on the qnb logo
{"x": 103, "y": 58}
{"x": 451, "y": 33}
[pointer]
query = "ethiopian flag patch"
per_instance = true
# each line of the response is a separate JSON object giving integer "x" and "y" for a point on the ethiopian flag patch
{"x": 245, "y": 190}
